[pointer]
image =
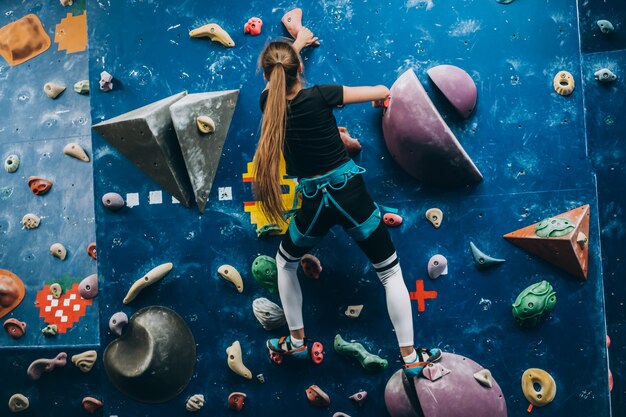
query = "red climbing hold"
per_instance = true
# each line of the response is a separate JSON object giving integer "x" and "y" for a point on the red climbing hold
{"x": 392, "y": 220}
{"x": 39, "y": 185}
{"x": 317, "y": 353}
{"x": 311, "y": 266}
{"x": 253, "y": 26}
{"x": 235, "y": 400}
{"x": 91, "y": 250}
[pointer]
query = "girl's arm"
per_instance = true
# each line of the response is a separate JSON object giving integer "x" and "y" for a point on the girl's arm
{"x": 362, "y": 94}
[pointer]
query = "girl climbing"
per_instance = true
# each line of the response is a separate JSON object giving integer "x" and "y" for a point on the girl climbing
{"x": 298, "y": 123}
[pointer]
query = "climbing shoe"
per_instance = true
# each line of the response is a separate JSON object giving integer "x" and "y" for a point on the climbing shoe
{"x": 283, "y": 346}
{"x": 424, "y": 357}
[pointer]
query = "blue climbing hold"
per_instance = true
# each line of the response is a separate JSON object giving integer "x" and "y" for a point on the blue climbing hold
{"x": 481, "y": 259}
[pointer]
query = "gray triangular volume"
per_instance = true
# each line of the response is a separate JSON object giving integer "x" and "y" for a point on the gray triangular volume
{"x": 202, "y": 151}
{"x": 147, "y": 137}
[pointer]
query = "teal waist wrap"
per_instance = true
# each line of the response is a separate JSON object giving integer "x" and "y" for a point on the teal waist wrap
{"x": 335, "y": 180}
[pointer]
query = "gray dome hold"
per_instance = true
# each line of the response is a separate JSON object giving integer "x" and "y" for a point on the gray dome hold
{"x": 269, "y": 314}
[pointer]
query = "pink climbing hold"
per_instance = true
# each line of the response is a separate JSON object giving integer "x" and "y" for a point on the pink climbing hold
{"x": 340, "y": 414}
{"x": 311, "y": 266}
{"x": 457, "y": 86}
{"x": 293, "y": 22}
{"x": 253, "y": 26}
{"x": 88, "y": 287}
{"x": 40, "y": 366}
{"x": 434, "y": 371}
{"x": 359, "y": 397}
{"x": 15, "y": 328}
{"x": 392, "y": 219}
{"x": 317, "y": 353}
{"x": 91, "y": 404}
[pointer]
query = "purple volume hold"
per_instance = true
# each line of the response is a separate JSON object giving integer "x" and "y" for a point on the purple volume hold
{"x": 40, "y": 366}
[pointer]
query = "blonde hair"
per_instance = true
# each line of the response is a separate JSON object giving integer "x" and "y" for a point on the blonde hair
{"x": 280, "y": 64}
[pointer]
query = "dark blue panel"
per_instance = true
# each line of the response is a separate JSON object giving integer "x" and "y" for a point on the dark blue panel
{"x": 592, "y": 39}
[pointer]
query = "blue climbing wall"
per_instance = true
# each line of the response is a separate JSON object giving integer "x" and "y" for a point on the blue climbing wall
{"x": 605, "y": 133}
{"x": 529, "y": 143}
{"x": 37, "y": 128}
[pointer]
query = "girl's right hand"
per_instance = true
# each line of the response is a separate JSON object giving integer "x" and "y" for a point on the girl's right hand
{"x": 305, "y": 38}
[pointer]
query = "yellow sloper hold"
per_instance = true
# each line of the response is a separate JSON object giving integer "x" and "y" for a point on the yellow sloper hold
{"x": 71, "y": 33}
{"x": 229, "y": 273}
{"x": 23, "y": 39}
{"x": 257, "y": 217}
{"x": 235, "y": 360}
{"x": 215, "y": 33}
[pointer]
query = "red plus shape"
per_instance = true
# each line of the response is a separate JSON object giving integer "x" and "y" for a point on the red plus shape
{"x": 421, "y": 296}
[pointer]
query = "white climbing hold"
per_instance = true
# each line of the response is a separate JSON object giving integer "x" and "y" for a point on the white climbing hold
{"x": 58, "y": 251}
{"x": 76, "y": 151}
{"x": 195, "y": 402}
{"x": 353, "y": 311}
{"x": 53, "y": 90}
{"x": 154, "y": 275}
{"x": 484, "y": 378}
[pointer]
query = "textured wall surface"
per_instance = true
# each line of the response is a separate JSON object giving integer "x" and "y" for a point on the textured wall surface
{"x": 529, "y": 143}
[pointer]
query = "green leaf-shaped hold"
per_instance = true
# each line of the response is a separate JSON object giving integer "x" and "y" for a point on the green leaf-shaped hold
{"x": 532, "y": 304}
{"x": 553, "y": 227}
{"x": 265, "y": 272}
{"x": 356, "y": 350}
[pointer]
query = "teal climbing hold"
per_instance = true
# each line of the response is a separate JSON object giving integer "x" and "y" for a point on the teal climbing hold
{"x": 483, "y": 260}
{"x": 268, "y": 229}
{"x": 368, "y": 360}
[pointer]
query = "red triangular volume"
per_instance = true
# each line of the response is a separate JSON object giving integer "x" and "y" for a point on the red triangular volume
{"x": 569, "y": 251}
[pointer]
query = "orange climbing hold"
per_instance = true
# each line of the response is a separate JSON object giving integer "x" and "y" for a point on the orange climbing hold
{"x": 71, "y": 33}
{"x": 23, "y": 39}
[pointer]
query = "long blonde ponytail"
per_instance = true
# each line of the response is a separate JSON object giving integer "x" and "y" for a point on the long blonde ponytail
{"x": 280, "y": 64}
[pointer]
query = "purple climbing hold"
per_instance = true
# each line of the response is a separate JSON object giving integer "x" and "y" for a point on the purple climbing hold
{"x": 106, "y": 81}
{"x": 117, "y": 322}
{"x": 459, "y": 395}
{"x": 437, "y": 266}
{"x": 88, "y": 287}
{"x": 420, "y": 141}
{"x": 359, "y": 397}
{"x": 113, "y": 201}
{"x": 40, "y": 366}
{"x": 457, "y": 86}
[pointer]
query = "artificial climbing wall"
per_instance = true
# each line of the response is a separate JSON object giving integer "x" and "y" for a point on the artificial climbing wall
{"x": 605, "y": 133}
{"x": 528, "y": 142}
{"x": 37, "y": 128}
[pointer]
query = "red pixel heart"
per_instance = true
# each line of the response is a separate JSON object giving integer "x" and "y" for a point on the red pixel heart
{"x": 63, "y": 311}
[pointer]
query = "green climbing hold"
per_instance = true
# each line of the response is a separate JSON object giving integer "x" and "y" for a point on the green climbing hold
{"x": 265, "y": 272}
{"x": 356, "y": 350}
{"x": 50, "y": 330}
{"x": 553, "y": 227}
{"x": 268, "y": 229}
{"x": 532, "y": 304}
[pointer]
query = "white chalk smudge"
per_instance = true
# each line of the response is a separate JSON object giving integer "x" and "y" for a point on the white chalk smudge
{"x": 421, "y": 4}
{"x": 485, "y": 303}
{"x": 465, "y": 27}
{"x": 173, "y": 27}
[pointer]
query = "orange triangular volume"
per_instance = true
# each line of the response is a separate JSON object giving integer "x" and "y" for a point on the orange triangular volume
{"x": 569, "y": 252}
{"x": 12, "y": 291}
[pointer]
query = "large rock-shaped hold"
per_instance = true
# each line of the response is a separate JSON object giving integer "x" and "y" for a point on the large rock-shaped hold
{"x": 457, "y": 86}
{"x": 202, "y": 151}
{"x": 457, "y": 394}
{"x": 561, "y": 240}
{"x": 12, "y": 291}
{"x": 23, "y": 39}
{"x": 147, "y": 137}
{"x": 153, "y": 361}
{"x": 420, "y": 141}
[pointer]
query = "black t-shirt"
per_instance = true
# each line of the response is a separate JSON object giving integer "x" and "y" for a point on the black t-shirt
{"x": 312, "y": 142}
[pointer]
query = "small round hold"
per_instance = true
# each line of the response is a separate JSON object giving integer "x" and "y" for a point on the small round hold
{"x": 91, "y": 404}
{"x": 38, "y": 185}
{"x": 359, "y": 397}
{"x": 58, "y": 251}
{"x": 91, "y": 250}
{"x": 88, "y": 287}
{"x": 75, "y": 150}
{"x": 605, "y": 75}
{"x": 117, "y": 322}
{"x": 564, "y": 83}
{"x": 15, "y": 328}
{"x": 605, "y": 26}
{"x": 236, "y": 400}
{"x": 434, "y": 216}
{"x": 195, "y": 403}
{"x": 205, "y": 124}
{"x": 261, "y": 378}
{"x": 56, "y": 290}
{"x": 50, "y": 330}
{"x": 113, "y": 201}
{"x": 392, "y": 219}
{"x": 253, "y": 26}
{"x": 11, "y": 163}
{"x": 311, "y": 266}
{"x": 53, "y": 90}
{"x": 437, "y": 266}
{"x": 82, "y": 87}
{"x": 18, "y": 402}
{"x": 30, "y": 221}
